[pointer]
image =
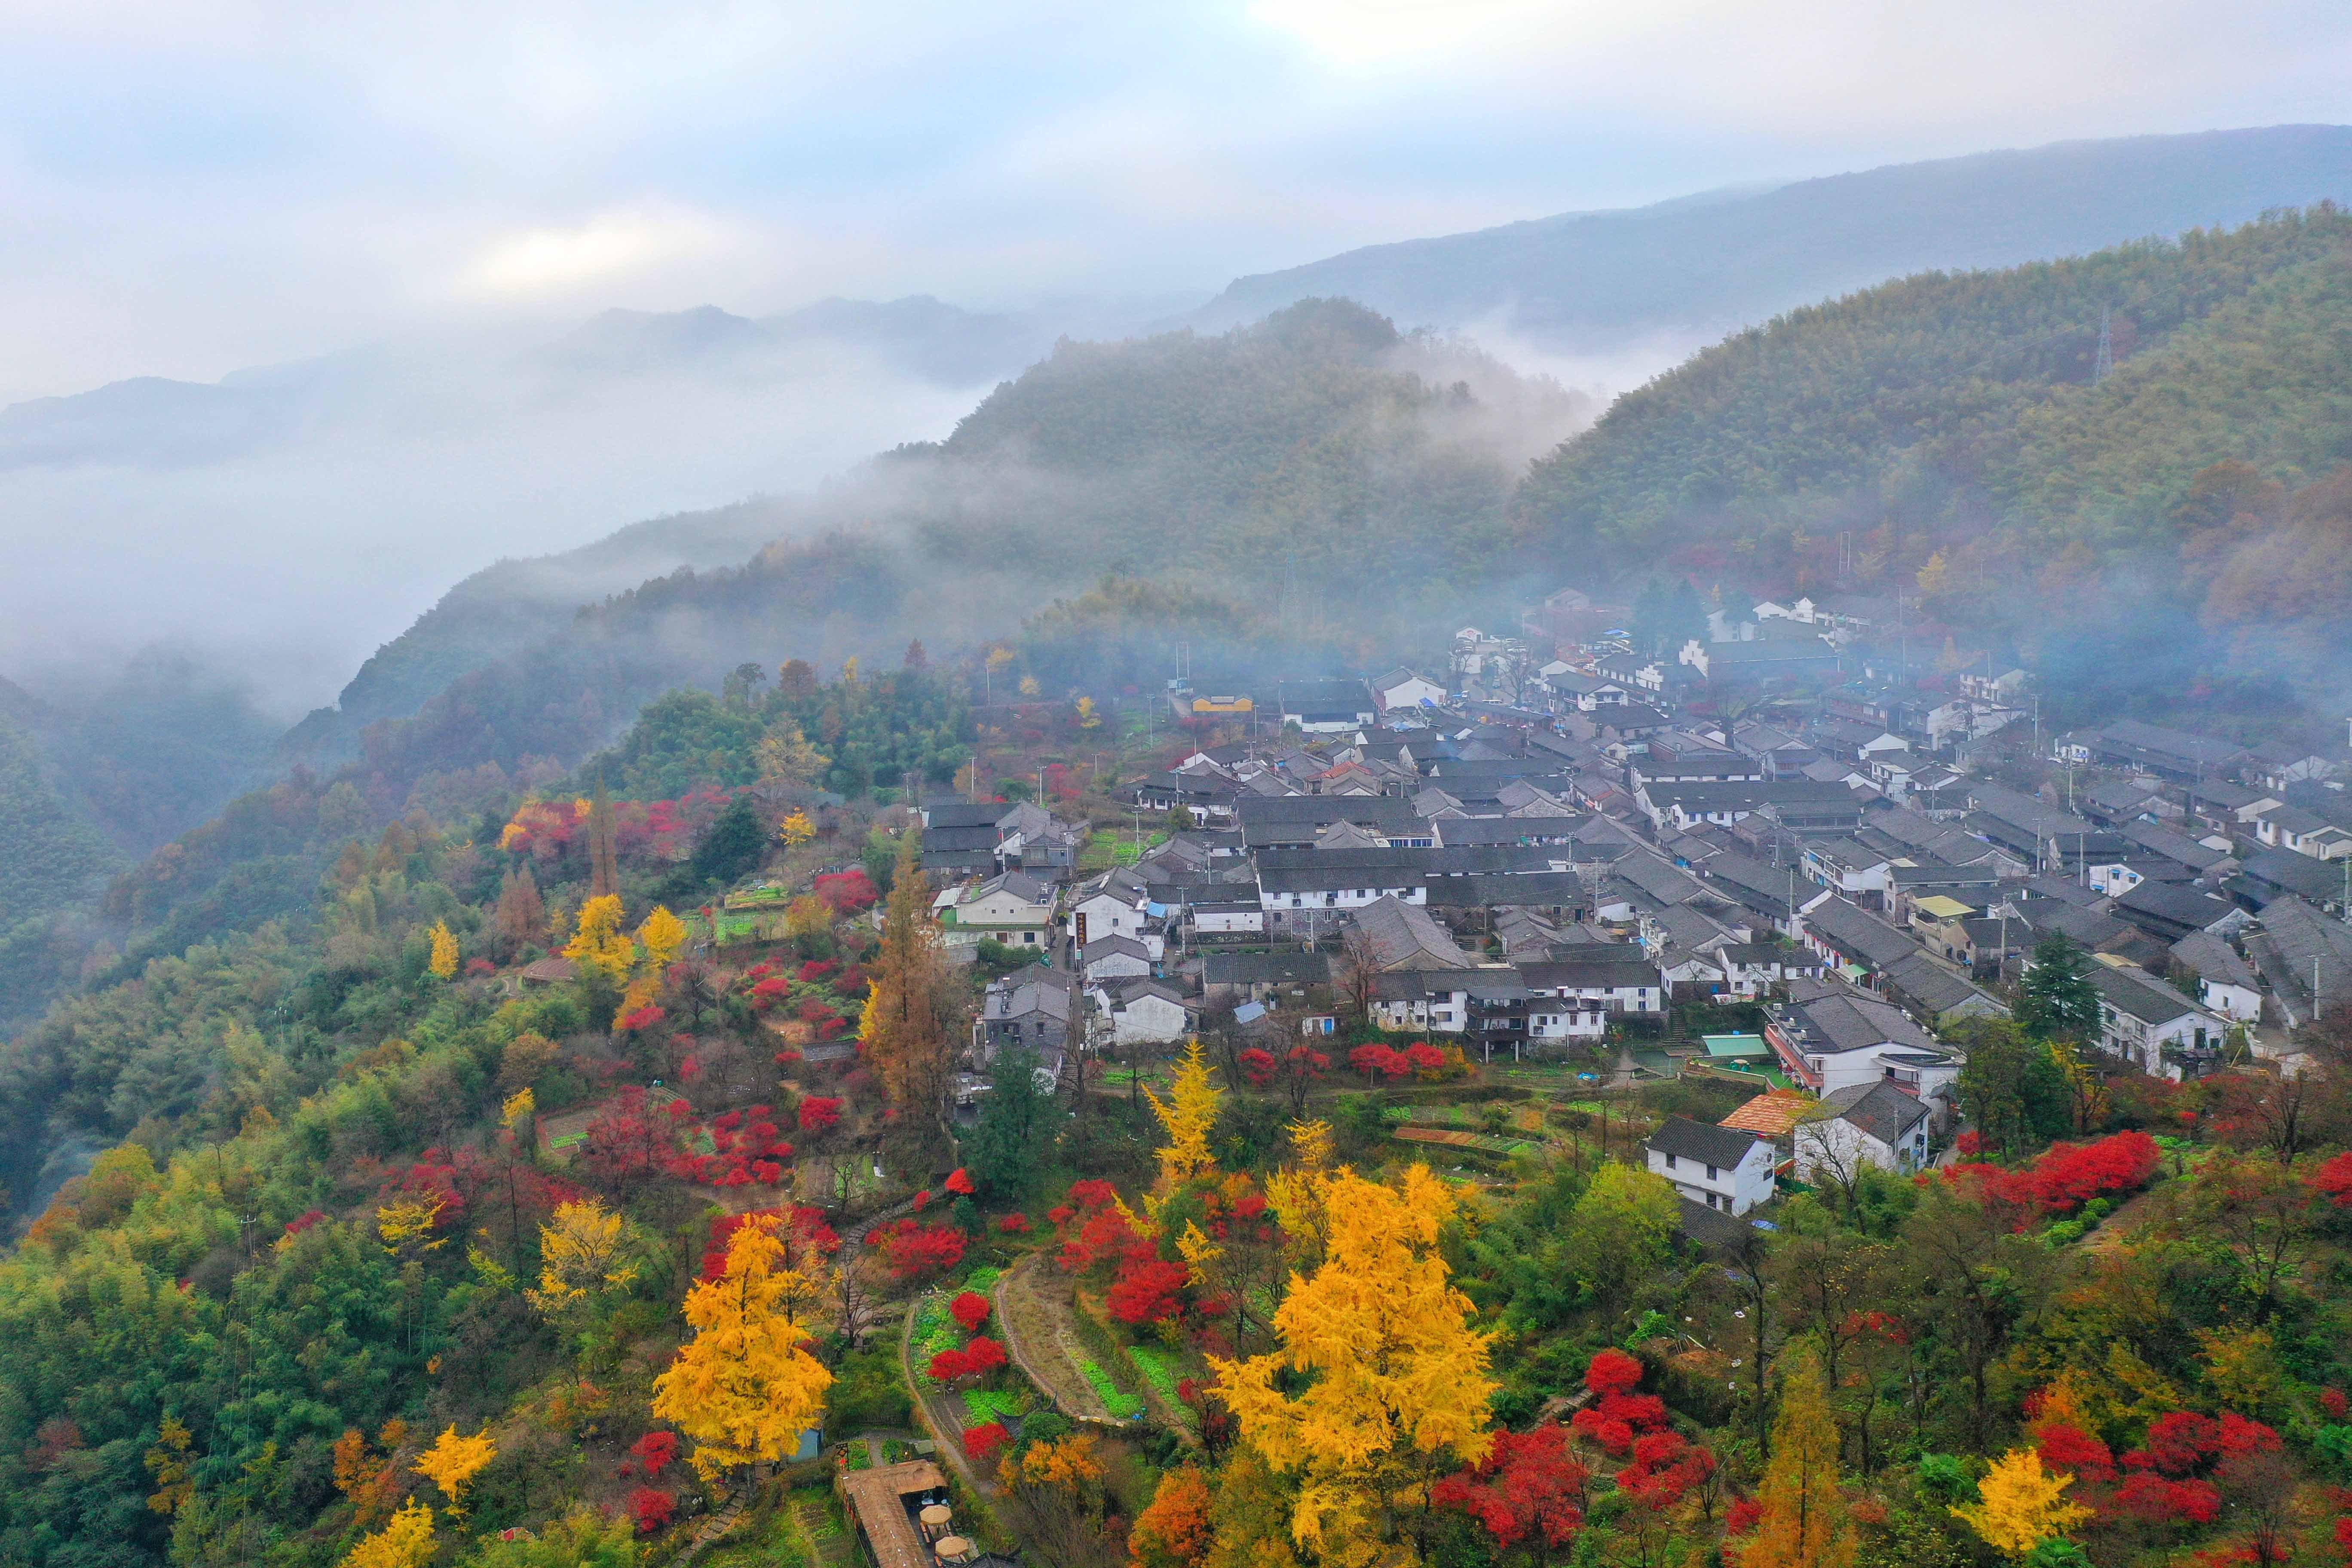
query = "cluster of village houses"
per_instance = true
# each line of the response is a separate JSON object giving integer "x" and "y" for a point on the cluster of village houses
{"x": 1527, "y": 853}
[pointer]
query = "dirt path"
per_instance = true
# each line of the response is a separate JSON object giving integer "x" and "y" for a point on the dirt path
{"x": 1035, "y": 1314}
{"x": 931, "y": 1410}
{"x": 2118, "y": 1227}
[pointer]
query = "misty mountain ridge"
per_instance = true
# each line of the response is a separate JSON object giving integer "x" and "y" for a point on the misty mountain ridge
{"x": 1320, "y": 437}
{"x": 918, "y": 334}
{"x": 162, "y": 422}
{"x": 1322, "y": 453}
{"x": 1956, "y": 439}
{"x": 1698, "y": 267}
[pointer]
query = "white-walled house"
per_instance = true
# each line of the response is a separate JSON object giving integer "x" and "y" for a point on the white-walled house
{"x": 1862, "y": 1124}
{"x": 1228, "y": 917}
{"x": 1014, "y": 908}
{"x": 1829, "y": 1037}
{"x": 2225, "y": 983}
{"x": 1112, "y": 904}
{"x": 1402, "y": 689}
{"x": 1115, "y": 958}
{"x": 1144, "y": 1011}
{"x": 1575, "y": 998}
{"x": 2153, "y": 1026}
{"x": 1724, "y": 1169}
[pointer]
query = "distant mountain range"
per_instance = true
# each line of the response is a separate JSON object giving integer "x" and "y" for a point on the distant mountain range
{"x": 1698, "y": 267}
{"x": 154, "y": 422}
{"x": 918, "y": 335}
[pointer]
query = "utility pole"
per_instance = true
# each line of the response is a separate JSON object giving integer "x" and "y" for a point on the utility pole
{"x": 2105, "y": 365}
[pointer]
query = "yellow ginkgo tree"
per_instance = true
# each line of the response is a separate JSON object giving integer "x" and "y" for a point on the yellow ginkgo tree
{"x": 580, "y": 1257}
{"x": 1379, "y": 1384}
{"x": 454, "y": 1461}
{"x": 405, "y": 1541}
{"x": 661, "y": 935}
{"x": 2019, "y": 1505}
{"x": 598, "y": 944}
{"x": 444, "y": 961}
{"x": 1188, "y": 1114}
{"x": 744, "y": 1388}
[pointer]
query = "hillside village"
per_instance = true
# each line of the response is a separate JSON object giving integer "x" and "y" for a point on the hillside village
{"x": 1554, "y": 850}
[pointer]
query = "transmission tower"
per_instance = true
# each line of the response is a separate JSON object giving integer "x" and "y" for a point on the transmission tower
{"x": 2105, "y": 365}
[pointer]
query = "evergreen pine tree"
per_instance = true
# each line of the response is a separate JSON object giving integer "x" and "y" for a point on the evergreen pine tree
{"x": 733, "y": 846}
{"x": 2055, "y": 999}
{"x": 1018, "y": 1122}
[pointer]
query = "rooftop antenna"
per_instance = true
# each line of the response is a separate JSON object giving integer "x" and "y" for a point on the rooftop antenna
{"x": 2105, "y": 365}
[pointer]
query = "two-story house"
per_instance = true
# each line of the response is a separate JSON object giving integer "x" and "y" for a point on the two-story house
{"x": 1722, "y": 1168}
{"x": 1862, "y": 1124}
{"x": 1575, "y": 998}
{"x": 2153, "y": 1026}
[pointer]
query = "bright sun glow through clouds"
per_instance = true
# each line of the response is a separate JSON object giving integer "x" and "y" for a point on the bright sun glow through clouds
{"x": 607, "y": 248}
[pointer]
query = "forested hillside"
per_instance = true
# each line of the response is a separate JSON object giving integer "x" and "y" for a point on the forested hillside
{"x": 508, "y": 608}
{"x": 51, "y": 861}
{"x": 1320, "y": 450}
{"x": 1956, "y": 424}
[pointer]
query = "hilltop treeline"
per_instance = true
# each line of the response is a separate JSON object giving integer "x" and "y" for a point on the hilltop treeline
{"x": 1958, "y": 426}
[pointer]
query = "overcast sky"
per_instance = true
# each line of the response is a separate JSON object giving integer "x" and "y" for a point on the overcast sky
{"x": 193, "y": 187}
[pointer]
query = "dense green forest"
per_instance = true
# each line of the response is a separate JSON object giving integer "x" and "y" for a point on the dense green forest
{"x": 1956, "y": 426}
{"x": 52, "y": 862}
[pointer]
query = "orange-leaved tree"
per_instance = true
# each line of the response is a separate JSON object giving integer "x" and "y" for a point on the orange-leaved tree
{"x": 1176, "y": 1528}
{"x": 908, "y": 1027}
{"x": 1804, "y": 1523}
{"x": 744, "y": 1388}
{"x": 1395, "y": 1379}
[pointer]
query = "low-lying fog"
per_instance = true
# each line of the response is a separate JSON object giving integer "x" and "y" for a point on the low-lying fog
{"x": 282, "y": 525}
{"x": 286, "y": 525}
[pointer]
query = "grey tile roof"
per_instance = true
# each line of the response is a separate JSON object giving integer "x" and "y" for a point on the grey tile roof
{"x": 1880, "y": 1110}
{"x": 1265, "y": 968}
{"x": 2130, "y": 991}
{"x": 1710, "y": 1229}
{"x": 1857, "y": 933}
{"x": 2210, "y": 958}
{"x": 1596, "y": 966}
{"x": 1702, "y": 1140}
{"x": 1403, "y": 936}
{"x": 1849, "y": 1020}
{"x": 2168, "y": 905}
